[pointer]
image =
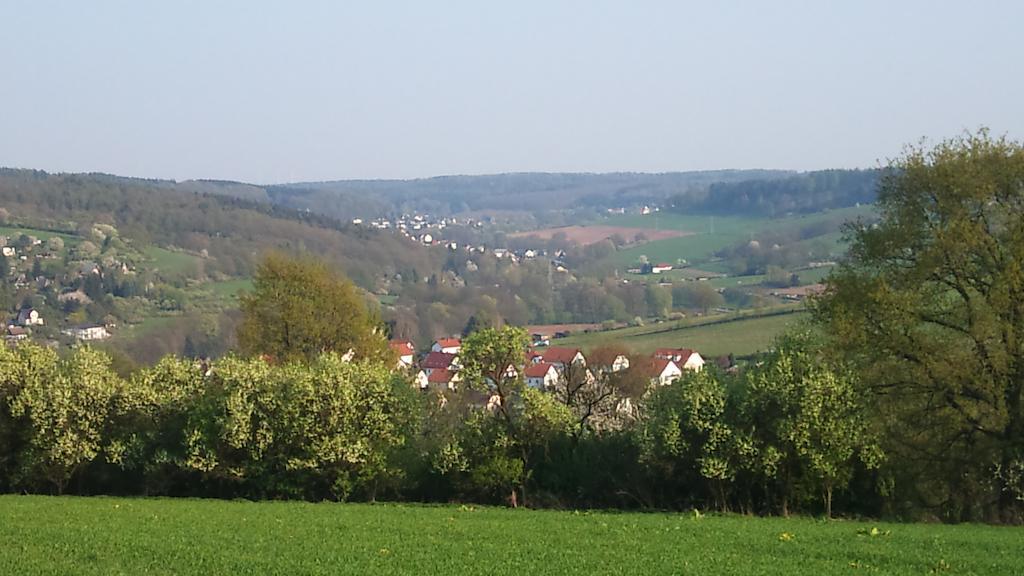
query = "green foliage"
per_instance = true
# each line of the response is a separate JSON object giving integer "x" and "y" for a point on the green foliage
{"x": 806, "y": 420}
{"x": 299, "y": 308}
{"x": 659, "y": 300}
{"x": 931, "y": 304}
{"x": 53, "y": 414}
{"x": 327, "y": 428}
{"x": 686, "y": 435}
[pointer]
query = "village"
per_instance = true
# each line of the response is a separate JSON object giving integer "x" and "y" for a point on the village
{"x": 543, "y": 367}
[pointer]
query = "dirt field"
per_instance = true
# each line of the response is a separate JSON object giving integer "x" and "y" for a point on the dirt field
{"x": 592, "y": 234}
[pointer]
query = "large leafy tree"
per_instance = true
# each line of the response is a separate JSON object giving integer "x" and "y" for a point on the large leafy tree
{"x": 54, "y": 414}
{"x": 300, "y": 308}
{"x": 804, "y": 421}
{"x": 685, "y": 437}
{"x": 931, "y": 302}
{"x": 524, "y": 421}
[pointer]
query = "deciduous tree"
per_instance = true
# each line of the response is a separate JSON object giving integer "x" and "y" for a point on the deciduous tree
{"x": 931, "y": 301}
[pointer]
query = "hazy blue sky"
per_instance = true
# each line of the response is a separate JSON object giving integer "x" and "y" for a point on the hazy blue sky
{"x": 271, "y": 92}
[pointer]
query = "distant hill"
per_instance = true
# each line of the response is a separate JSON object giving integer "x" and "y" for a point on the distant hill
{"x": 757, "y": 192}
{"x": 531, "y": 192}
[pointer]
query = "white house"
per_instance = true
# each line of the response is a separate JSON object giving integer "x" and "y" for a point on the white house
{"x": 659, "y": 268}
{"x": 665, "y": 371}
{"x": 542, "y": 376}
{"x": 685, "y": 358}
{"x": 405, "y": 351}
{"x": 15, "y": 333}
{"x": 620, "y": 363}
{"x": 447, "y": 345}
{"x": 87, "y": 332}
{"x": 421, "y": 379}
{"x": 29, "y": 317}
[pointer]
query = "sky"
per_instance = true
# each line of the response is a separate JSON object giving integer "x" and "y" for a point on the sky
{"x": 270, "y": 92}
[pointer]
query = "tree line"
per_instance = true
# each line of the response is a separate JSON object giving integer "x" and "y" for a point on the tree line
{"x": 783, "y": 437}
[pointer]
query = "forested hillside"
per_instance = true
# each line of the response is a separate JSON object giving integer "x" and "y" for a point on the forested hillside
{"x": 229, "y": 233}
{"x": 806, "y": 192}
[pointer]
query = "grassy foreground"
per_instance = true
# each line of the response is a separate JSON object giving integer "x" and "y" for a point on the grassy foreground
{"x": 50, "y": 535}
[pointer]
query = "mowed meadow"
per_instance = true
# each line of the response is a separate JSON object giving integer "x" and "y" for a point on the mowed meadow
{"x": 71, "y": 535}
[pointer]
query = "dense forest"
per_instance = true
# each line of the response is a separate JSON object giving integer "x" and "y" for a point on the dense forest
{"x": 805, "y": 192}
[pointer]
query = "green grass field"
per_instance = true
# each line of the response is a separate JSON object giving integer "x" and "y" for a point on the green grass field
{"x": 712, "y": 336}
{"x": 172, "y": 262}
{"x": 715, "y": 233}
{"x": 228, "y": 289}
{"x": 102, "y": 536}
{"x": 12, "y": 233}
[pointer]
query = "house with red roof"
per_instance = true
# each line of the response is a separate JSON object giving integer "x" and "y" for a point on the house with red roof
{"x": 665, "y": 371}
{"x": 439, "y": 361}
{"x": 685, "y": 358}
{"x": 405, "y": 351}
{"x": 561, "y": 357}
{"x": 442, "y": 378}
{"x": 447, "y": 345}
{"x": 542, "y": 376}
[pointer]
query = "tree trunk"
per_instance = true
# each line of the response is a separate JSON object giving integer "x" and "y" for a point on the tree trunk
{"x": 512, "y": 502}
{"x": 828, "y": 500}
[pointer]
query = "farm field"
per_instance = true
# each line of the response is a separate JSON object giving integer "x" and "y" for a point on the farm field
{"x": 711, "y": 336}
{"x": 66, "y": 535}
{"x": 714, "y": 233}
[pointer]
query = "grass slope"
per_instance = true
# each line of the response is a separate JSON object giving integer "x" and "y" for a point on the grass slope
{"x": 51, "y": 535}
{"x": 712, "y": 337}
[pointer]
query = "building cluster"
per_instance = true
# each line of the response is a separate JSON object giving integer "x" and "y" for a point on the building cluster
{"x": 422, "y": 228}
{"x": 20, "y": 328}
{"x": 542, "y": 368}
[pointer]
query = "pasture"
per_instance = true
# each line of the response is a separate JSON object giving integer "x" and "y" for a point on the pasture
{"x": 67, "y": 535}
{"x": 713, "y": 233}
{"x": 712, "y": 336}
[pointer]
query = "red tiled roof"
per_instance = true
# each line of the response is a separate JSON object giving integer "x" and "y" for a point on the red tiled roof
{"x": 560, "y": 355}
{"x": 437, "y": 360}
{"x": 538, "y": 370}
{"x": 681, "y": 354}
{"x": 660, "y": 364}
{"x": 449, "y": 342}
{"x": 440, "y": 376}
{"x": 402, "y": 347}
